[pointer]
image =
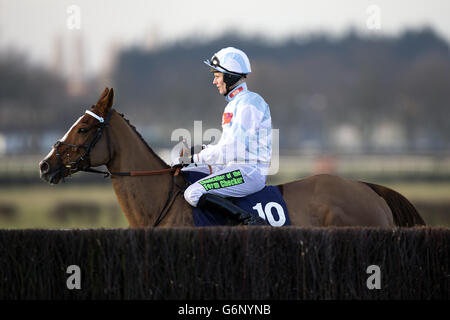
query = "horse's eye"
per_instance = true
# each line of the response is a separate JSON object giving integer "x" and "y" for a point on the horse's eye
{"x": 82, "y": 130}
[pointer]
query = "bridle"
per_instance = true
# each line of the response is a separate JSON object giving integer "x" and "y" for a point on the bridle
{"x": 77, "y": 165}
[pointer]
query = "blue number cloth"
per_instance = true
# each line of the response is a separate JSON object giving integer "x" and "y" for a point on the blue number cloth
{"x": 267, "y": 203}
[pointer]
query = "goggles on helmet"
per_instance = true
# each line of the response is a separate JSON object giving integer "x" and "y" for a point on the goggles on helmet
{"x": 214, "y": 62}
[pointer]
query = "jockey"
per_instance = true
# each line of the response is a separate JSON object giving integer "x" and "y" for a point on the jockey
{"x": 238, "y": 164}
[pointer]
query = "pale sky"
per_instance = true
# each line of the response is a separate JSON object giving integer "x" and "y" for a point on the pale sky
{"x": 31, "y": 26}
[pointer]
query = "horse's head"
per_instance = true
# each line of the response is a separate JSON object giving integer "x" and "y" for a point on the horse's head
{"x": 85, "y": 145}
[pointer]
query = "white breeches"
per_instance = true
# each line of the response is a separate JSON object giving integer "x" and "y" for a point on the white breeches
{"x": 231, "y": 181}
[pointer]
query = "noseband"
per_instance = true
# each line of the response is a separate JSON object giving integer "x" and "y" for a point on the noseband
{"x": 77, "y": 165}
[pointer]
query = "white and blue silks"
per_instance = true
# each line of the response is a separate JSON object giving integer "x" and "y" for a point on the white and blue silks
{"x": 241, "y": 159}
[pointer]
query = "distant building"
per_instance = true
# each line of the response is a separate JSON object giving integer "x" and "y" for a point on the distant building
{"x": 347, "y": 138}
{"x": 2, "y": 144}
{"x": 76, "y": 79}
{"x": 388, "y": 136}
{"x": 69, "y": 62}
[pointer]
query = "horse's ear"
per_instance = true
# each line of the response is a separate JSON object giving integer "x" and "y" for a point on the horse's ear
{"x": 103, "y": 95}
{"x": 110, "y": 99}
{"x": 105, "y": 103}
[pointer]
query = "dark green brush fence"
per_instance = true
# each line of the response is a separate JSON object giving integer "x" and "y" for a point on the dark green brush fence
{"x": 226, "y": 263}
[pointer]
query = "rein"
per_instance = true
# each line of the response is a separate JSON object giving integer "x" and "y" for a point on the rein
{"x": 145, "y": 173}
{"x": 77, "y": 166}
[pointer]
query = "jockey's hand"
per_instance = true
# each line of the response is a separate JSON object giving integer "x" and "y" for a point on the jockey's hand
{"x": 197, "y": 148}
{"x": 182, "y": 161}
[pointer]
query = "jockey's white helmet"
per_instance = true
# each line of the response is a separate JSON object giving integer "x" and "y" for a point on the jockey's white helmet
{"x": 230, "y": 60}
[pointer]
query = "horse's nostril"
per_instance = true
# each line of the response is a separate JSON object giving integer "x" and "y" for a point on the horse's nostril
{"x": 44, "y": 167}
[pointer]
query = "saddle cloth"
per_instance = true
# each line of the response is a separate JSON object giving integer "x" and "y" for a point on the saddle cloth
{"x": 267, "y": 203}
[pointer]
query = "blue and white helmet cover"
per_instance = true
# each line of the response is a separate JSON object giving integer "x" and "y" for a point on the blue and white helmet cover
{"x": 230, "y": 60}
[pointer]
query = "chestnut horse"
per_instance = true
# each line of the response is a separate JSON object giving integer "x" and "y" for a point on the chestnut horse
{"x": 102, "y": 136}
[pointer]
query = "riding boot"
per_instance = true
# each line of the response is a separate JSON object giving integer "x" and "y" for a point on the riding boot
{"x": 228, "y": 208}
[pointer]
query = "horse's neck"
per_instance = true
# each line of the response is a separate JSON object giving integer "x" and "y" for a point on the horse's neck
{"x": 141, "y": 198}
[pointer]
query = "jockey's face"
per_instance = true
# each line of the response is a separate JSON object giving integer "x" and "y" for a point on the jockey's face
{"x": 218, "y": 81}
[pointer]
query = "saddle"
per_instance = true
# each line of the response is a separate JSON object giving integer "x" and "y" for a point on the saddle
{"x": 268, "y": 203}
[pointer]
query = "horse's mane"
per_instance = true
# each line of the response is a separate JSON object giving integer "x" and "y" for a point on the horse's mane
{"x": 143, "y": 140}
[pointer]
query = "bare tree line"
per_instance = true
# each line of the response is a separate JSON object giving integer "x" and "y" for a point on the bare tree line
{"x": 313, "y": 86}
